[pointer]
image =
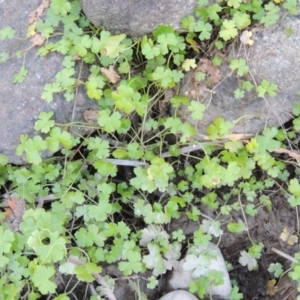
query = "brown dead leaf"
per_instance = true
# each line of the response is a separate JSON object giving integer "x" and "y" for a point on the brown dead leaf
{"x": 32, "y": 17}
{"x": 36, "y": 14}
{"x": 91, "y": 116}
{"x": 219, "y": 53}
{"x": 110, "y": 74}
{"x": 37, "y": 40}
{"x": 257, "y": 28}
{"x": 287, "y": 236}
{"x": 289, "y": 152}
{"x": 45, "y": 4}
{"x": 245, "y": 38}
{"x": 14, "y": 210}
{"x": 212, "y": 72}
{"x": 271, "y": 287}
{"x": 200, "y": 90}
{"x": 76, "y": 57}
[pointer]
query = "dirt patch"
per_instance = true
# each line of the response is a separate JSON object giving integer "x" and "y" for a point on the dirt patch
{"x": 265, "y": 227}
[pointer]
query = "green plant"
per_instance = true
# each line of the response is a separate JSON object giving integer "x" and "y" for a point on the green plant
{"x": 84, "y": 227}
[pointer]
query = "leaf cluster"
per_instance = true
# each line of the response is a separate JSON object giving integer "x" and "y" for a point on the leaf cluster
{"x": 84, "y": 226}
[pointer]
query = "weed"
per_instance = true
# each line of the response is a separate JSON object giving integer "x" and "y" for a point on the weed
{"x": 81, "y": 212}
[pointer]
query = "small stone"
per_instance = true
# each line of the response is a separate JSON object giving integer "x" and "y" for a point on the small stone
{"x": 182, "y": 276}
{"x": 178, "y": 295}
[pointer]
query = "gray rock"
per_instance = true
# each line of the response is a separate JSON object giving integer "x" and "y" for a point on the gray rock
{"x": 137, "y": 17}
{"x": 274, "y": 57}
{"x": 21, "y": 103}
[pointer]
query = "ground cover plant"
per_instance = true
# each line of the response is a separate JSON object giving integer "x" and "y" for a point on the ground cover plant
{"x": 111, "y": 197}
